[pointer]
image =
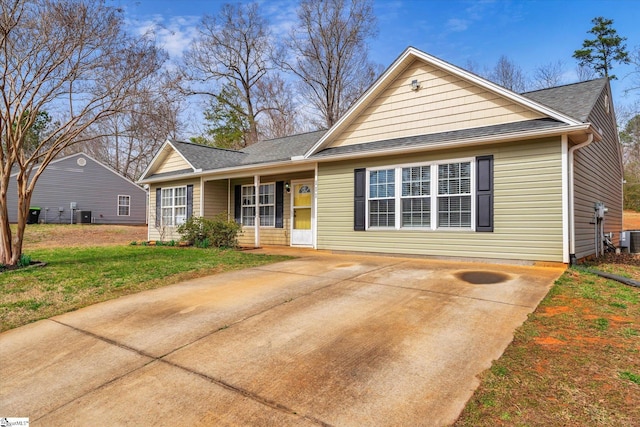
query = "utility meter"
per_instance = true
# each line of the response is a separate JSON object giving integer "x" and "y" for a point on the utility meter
{"x": 600, "y": 209}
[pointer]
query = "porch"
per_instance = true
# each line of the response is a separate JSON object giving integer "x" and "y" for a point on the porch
{"x": 276, "y": 209}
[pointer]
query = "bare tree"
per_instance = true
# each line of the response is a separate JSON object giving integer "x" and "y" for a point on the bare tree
{"x": 508, "y": 74}
{"x": 548, "y": 75}
{"x": 232, "y": 50}
{"x": 73, "y": 60}
{"x": 128, "y": 140}
{"x": 328, "y": 51}
{"x": 634, "y": 59}
{"x": 585, "y": 73}
{"x": 281, "y": 118}
{"x": 473, "y": 67}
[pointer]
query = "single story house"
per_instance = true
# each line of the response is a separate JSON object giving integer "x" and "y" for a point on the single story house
{"x": 432, "y": 160}
{"x": 82, "y": 189}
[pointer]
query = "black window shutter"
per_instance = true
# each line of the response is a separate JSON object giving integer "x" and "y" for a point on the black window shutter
{"x": 484, "y": 193}
{"x": 359, "y": 199}
{"x": 158, "y": 206}
{"x": 189, "y": 201}
{"x": 279, "y": 203}
{"x": 237, "y": 206}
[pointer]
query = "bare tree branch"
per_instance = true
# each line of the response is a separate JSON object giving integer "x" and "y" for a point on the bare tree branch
{"x": 329, "y": 54}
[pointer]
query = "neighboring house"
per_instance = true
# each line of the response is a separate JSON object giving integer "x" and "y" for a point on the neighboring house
{"x": 79, "y": 184}
{"x": 432, "y": 160}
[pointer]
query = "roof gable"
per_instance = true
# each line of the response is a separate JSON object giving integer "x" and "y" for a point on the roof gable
{"x": 167, "y": 159}
{"x": 449, "y": 99}
{"x": 72, "y": 163}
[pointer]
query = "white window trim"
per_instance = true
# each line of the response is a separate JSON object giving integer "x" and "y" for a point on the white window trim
{"x": 128, "y": 196}
{"x": 242, "y": 206}
{"x": 395, "y": 196}
{"x": 433, "y": 197}
{"x": 173, "y": 205}
{"x": 257, "y": 205}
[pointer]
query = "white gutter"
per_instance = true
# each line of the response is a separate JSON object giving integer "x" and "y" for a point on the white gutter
{"x": 572, "y": 222}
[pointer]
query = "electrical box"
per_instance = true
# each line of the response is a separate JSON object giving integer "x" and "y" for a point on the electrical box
{"x": 600, "y": 209}
{"x": 73, "y": 206}
{"x": 625, "y": 237}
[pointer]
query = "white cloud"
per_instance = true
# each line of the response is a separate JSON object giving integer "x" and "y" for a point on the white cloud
{"x": 174, "y": 34}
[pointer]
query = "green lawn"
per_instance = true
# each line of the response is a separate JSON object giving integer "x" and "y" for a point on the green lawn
{"x": 77, "y": 277}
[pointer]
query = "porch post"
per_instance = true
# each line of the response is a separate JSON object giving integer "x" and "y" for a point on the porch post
{"x": 256, "y": 184}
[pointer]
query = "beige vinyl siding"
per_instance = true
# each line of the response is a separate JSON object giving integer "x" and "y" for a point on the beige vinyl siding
{"x": 270, "y": 235}
{"x": 173, "y": 162}
{"x": 170, "y": 233}
{"x": 443, "y": 103}
{"x": 215, "y": 198}
{"x": 527, "y": 207}
{"x": 598, "y": 177}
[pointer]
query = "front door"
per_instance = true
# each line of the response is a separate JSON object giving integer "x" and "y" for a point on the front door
{"x": 302, "y": 203}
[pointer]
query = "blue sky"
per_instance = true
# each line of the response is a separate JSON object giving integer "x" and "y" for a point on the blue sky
{"x": 529, "y": 32}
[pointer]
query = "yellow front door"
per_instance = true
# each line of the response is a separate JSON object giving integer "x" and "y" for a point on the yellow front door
{"x": 301, "y": 230}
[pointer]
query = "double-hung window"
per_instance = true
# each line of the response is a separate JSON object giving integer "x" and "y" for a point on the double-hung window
{"x": 454, "y": 195}
{"x": 415, "y": 199}
{"x": 174, "y": 206}
{"x": 427, "y": 196}
{"x": 266, "y": 205}
{"x": 248, "y": 205}
{"x": 124, "y": 204}
{"x": 267, "y": 202}
{"x": 382, "y": 211}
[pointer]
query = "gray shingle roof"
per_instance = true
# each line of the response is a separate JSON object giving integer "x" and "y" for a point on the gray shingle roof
{"x": 282, "y": 148}
{"x": 211, "y": 158}
{"x": 208, "y": 158}
{"x": 575, "y": 100}
{"x": 424, "y": 141}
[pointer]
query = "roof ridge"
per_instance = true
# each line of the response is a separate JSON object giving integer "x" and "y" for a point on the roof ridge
{"x": 292, "y": 135}
{"x": 565, "y": 85}
{"x": 195, "y": 144}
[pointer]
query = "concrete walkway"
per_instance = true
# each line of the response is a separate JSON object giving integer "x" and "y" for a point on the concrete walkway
{"x": 320, "y": 340}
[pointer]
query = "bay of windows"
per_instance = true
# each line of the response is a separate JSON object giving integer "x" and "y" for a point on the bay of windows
{"x": 427, "y": 196}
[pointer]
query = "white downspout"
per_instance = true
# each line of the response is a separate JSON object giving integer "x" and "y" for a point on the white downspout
{"x": 572, "y": 222}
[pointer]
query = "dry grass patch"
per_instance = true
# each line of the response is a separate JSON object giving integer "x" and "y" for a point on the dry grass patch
{"x": 631, "y": 220}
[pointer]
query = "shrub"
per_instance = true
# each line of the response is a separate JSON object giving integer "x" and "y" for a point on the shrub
{"x": 24, "y": 261}
{"x": 202, "y": 232}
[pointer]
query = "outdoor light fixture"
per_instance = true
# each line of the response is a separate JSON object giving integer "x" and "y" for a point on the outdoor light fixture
{"x": 287, "y": 187}
{"x": 415, "y": 85}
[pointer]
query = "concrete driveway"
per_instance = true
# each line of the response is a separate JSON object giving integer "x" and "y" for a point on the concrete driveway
{"x": 320, "y": 340}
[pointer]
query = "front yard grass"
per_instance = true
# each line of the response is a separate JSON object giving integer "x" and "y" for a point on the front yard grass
{"x": 574, "y": 362}
{"x": 76, "y": 277}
